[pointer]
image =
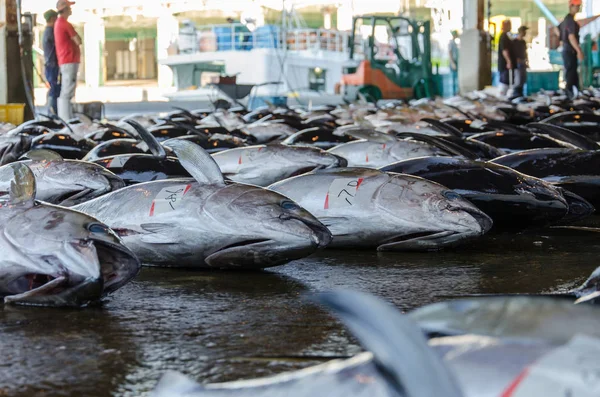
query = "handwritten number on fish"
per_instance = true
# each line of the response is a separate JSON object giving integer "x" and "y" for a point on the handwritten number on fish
{"x": 168, "y": 199}
{"x": 341, "y": 192}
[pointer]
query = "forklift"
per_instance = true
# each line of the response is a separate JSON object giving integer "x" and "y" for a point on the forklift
{"x": 399, "y": 69}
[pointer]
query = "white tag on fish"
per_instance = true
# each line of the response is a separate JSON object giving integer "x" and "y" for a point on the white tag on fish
{"x": 571, "y": 370}
{"x": 168, "y": 199}
{"x": 118, "y": 161}
{"x": 342, "y": 193}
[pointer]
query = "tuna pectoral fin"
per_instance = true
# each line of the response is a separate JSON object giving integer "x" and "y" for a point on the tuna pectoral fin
{"x": 399, "y": 347}
{"x": 174, "y": 383}
{"x": 46, "y": 288}
{"x": 588, "y": 297}
{"x": 22, "y": 184}
{"x": 160, "y": 233}
{"x": 338, "y": 226}
{"x": 197, "y": 162}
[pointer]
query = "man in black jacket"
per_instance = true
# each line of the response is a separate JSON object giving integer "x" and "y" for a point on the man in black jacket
{"x": 505, "y": 58}
{"x": 569, "y": 35}
{"x": 521, "y": 62}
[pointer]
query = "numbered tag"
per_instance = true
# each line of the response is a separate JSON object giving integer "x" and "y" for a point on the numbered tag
{"x": 118, "y": 161}
{"x": 168, "y": 199}
{"x": 375, "y": 152}
{"x": 342, "y": 193}
{"x": 571, "y": 370}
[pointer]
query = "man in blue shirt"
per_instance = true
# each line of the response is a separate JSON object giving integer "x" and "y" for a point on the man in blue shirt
{"x": 51, "y": 62}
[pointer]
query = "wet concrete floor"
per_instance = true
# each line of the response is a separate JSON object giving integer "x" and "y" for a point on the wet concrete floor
{"x": 220, "y": 326}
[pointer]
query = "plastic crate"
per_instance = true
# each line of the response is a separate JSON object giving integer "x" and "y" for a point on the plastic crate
{"x": 537, "y": 81}
{"x": 12, "y": 113}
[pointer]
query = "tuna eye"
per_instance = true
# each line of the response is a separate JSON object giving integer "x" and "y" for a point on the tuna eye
{"x": 97, "y": 228}
{"x": 289, "y": 205}
{"x": 451, "y": 195}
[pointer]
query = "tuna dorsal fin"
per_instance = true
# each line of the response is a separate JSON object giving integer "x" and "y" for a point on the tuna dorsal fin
{"x": 41, "y": 154}
{"x": 197, "y": 162}
{"x": 22, "y": 184}
{"x": 155, "y": 147}
{"x": 399, "y": 347}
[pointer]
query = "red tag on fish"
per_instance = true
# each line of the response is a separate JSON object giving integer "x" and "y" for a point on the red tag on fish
{"x": 168, "y": 199}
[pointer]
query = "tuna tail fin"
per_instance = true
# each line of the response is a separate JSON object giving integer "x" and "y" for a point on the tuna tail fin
{"x": 173, "y": 383}
{"x": 22, "y": 184}
{"x": 41, "y": 154}
{"x": 155, "y": 147}
{"x": 399, "y": 347}
{"x": 565, "y": 135}
{"x": 443, "y": 127}
{"x": 197, "y": 162}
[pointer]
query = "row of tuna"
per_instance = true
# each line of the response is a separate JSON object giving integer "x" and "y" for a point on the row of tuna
{"x": 168, "y": 202}
{"x": 84, "y": 204}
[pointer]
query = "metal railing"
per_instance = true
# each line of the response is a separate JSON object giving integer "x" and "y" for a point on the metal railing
{"x": 236, "y": 37}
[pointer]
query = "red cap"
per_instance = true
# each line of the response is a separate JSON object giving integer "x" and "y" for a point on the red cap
{"x": 574, "y": 3}
{"x": 62, "y": 4}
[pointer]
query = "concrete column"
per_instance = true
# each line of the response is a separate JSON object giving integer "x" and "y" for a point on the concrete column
{"x": 344, "y": 15}
{"x": 93, "y": 42}
{"x": 3, "y": 59}
{"x": 474, "y": 61}
{"x": 167, "y": 28}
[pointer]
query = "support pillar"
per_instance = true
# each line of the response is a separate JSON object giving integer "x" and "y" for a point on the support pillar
{"x": 13, "y": 87}
{"x": 474, "y": 61}
{"x": 167, "y": 28}
{"x": 344, "y": 16}
{"x": 93, "y": 42}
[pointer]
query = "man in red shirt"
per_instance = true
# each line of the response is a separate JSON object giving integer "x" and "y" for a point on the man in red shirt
{"x": 67, "y": 43}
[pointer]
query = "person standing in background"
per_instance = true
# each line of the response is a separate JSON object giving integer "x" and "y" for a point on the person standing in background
{"x": 68, "y": 55}
{"x": 50, "y": 62}
{"x": 505, "y": 58}
{"x": 521, "y": 62}
{"x": 569, "y": 35}
{"x": 453, "y": 56}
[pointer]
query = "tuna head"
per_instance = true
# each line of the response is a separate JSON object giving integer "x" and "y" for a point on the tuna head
{"x": 437, "y": 216}
{"x": 264, "y": 228}
{"x": 67, "y": 182}
{"x": 54, "y": 256}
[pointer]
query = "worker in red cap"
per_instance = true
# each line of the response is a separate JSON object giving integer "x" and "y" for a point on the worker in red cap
{"x": 69, "y": 56}
{"x": 569, "y": 35}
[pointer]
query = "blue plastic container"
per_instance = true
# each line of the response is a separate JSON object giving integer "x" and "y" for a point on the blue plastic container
{"x": 537, "y": 81}
{"x": 267, "y": 36}
{"x": 260, "y": 101}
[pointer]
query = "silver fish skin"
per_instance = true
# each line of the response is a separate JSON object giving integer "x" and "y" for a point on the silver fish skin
{"x": 263, "y": 165}
{"x": 68, "y": 182}
{"x": 55, "y": 256}
{"x": 369, "y": 208}
{"x": 182, "y": 223}
{"x": 370, "y": 154}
